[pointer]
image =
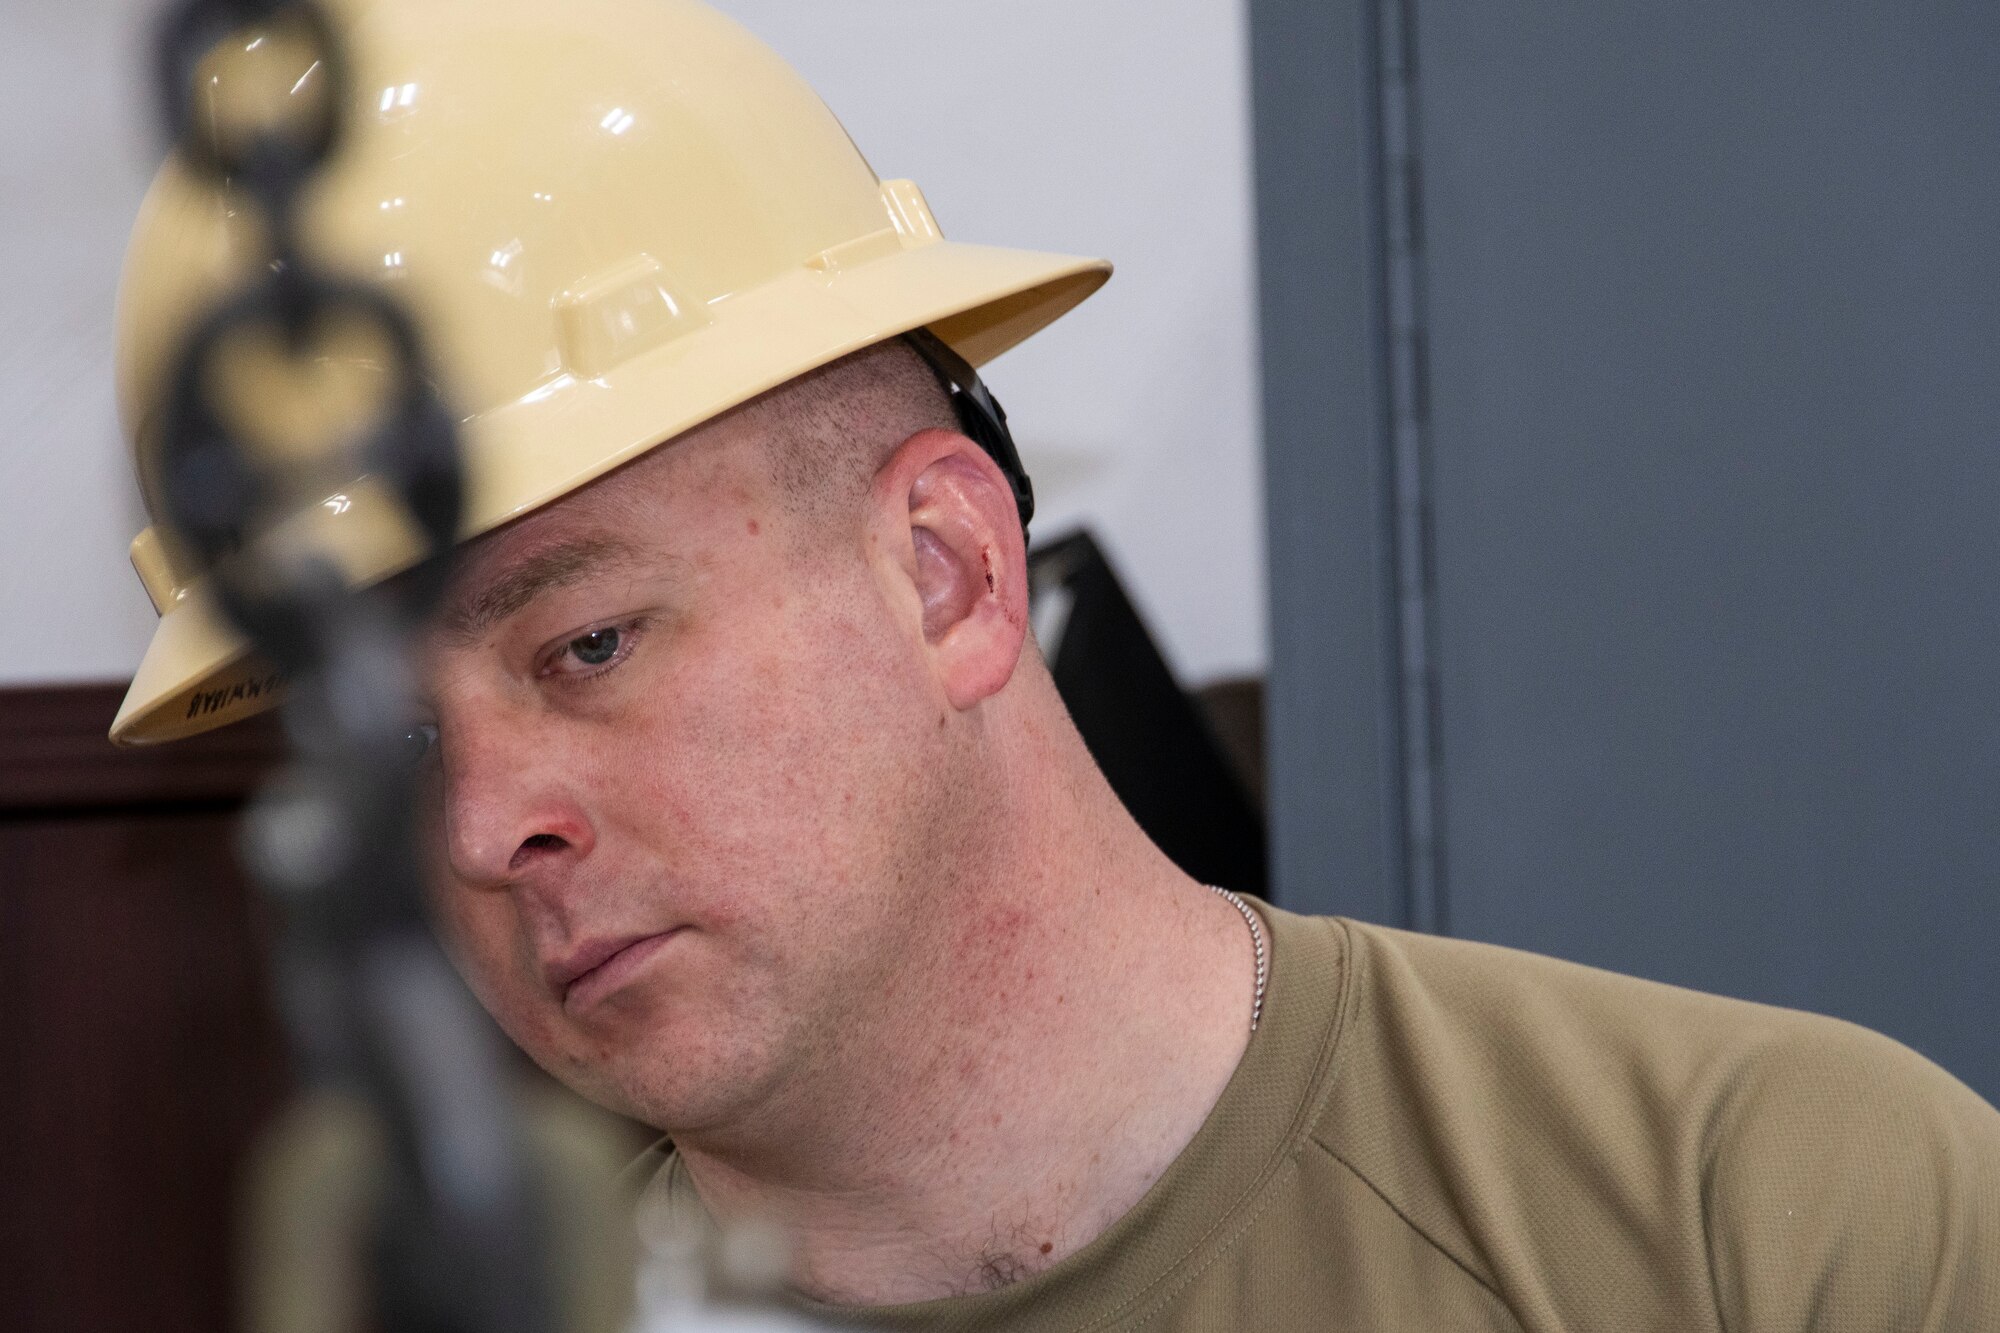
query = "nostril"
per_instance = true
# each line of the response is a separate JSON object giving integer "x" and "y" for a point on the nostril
{"x": 540, "y": 842}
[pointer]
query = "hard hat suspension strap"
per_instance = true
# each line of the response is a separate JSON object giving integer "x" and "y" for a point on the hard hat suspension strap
{"x": 979, "y": 414}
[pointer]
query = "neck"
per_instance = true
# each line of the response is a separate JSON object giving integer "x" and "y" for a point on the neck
{"x": 1081, "y": 1020}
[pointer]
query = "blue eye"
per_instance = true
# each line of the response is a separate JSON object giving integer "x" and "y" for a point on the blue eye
{"x": 595, "y": 648}
{"x": 594, "y": 653}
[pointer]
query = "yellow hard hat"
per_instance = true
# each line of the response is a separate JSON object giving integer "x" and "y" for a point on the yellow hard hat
{"x": 615, "y": 219}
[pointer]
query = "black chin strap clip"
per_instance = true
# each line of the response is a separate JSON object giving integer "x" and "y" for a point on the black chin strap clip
{"x": 979, "y": 414}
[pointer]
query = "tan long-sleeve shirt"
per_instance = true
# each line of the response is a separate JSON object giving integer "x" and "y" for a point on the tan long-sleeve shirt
{"x": 1427, "y": 1134}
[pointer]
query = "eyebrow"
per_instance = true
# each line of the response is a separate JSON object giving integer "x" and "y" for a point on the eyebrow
{"x": 464, "y": 619}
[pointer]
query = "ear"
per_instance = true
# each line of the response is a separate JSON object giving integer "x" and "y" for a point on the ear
{"x": 956, "y": 537}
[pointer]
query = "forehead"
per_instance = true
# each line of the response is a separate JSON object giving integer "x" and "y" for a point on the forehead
{"x": 673, "y": 502}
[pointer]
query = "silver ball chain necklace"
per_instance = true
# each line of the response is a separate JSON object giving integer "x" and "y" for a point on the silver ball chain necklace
{"x": 1257, "y": 942}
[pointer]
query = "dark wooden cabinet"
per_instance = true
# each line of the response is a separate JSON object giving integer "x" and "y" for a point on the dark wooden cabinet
{"x": 139, "y": 1053}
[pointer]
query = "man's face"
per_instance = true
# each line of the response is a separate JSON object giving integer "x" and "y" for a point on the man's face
{"x": 679, "y": 803}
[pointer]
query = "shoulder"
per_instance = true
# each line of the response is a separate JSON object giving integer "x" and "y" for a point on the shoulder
{"x": 1855, "y": 1183}
{"x": 1486, "y": 1004}
{"x": 1567, "y": 1130}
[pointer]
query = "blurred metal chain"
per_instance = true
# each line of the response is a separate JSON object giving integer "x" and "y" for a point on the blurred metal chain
{"x": 370, "y": 1003}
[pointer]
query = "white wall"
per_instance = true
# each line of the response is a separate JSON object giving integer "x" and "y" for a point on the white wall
{"x": 73, "y": 166}
{"x": 1113, "y": 127}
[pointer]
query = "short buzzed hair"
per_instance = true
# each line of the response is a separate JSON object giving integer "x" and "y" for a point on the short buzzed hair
{"x": 828, "y": 432}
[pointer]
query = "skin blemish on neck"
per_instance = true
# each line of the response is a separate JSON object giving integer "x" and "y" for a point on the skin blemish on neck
{"x": 754, "y": 527}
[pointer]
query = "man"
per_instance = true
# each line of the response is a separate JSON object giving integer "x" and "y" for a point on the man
{"x": 755, "y": 815}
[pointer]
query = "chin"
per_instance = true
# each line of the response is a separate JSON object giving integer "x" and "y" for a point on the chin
{"x": 677, "y": 1078}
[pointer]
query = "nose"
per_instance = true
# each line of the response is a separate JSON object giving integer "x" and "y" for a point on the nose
{"x": 512, "y": 809}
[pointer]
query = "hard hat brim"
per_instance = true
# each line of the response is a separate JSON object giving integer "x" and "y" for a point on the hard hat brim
{"x": 198, "y": 673}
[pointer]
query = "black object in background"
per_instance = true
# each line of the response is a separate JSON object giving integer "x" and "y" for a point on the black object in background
{"x": 1147, "y": 735}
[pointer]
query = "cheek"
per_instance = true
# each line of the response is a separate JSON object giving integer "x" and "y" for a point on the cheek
{"x": 481, "y": 934}
{"x": 773, "y": 762}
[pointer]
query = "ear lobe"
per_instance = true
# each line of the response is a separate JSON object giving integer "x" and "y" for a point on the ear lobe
{"x": 971, "y": 565}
